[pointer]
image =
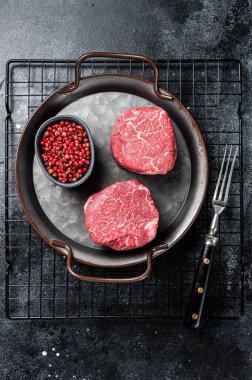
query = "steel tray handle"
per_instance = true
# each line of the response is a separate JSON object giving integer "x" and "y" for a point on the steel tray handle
{"x": 56, "y": 244}
{"x": 70, "y": 87}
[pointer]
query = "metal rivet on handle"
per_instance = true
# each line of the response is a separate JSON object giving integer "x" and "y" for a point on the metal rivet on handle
{"x": 200, "y": 290}
{"x": 195, "y": 316}
{"x": 206, "y": 261}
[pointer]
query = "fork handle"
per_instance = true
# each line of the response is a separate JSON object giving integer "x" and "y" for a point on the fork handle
{"x": 195, "y": 307}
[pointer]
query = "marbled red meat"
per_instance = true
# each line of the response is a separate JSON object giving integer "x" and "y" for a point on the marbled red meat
{"x": 123, "y": 216}
{"x": 143, "y": 141}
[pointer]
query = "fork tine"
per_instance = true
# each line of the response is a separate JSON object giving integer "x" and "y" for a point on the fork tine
{"x": 230, "y": 176}
{"x": 225, "y": 175}
{"x": 219, "y": 178}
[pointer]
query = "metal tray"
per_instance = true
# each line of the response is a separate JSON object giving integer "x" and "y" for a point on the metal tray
{"x": 186, "y": 185}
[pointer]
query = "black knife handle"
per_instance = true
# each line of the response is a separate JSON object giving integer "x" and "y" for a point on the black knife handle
{"x": 195, "y": 307}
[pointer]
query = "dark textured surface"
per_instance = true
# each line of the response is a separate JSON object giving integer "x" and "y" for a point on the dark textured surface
{"x": 129, "y": 349}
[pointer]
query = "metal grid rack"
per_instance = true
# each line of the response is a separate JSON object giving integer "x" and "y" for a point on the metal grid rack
{"x": 37, "y": 284}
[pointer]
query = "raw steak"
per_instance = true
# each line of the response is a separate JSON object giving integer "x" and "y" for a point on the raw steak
{"x": 143, "y": 141}
{"x": 123, "y": 216}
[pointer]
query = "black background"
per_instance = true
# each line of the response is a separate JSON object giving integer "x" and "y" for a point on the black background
{"x": 126, "y": 349}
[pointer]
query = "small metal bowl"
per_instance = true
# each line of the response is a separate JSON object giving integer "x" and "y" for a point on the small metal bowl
{"x": 39, "y": 152}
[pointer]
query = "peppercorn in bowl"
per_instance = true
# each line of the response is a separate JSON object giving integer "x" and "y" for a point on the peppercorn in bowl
{"x": 65, "y": 150}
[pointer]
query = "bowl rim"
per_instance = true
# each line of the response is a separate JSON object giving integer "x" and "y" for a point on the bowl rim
{"x": 38, "y": 152}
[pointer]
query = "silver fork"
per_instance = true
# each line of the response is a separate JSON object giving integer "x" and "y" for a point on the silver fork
{"x": 195, "y": 307}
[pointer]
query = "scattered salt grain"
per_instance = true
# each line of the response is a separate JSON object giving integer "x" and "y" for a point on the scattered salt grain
{"x": 44, "y": 353}
{"x": 57, "y": 354}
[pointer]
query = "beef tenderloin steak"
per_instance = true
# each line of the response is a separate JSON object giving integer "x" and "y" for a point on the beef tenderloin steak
{"x": 143, "y": 141}
{"x": 123, "y": 216}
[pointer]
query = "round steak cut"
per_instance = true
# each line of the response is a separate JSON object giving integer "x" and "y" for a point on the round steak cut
{"x": 143, "y": 141}
{"x": 123, "y": 216}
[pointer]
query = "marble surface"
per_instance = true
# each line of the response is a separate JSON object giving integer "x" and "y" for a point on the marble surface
{"x": 128, "y": 349}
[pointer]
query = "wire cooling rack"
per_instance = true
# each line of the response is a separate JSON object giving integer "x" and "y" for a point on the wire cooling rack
{"x": 37, "y": 284}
